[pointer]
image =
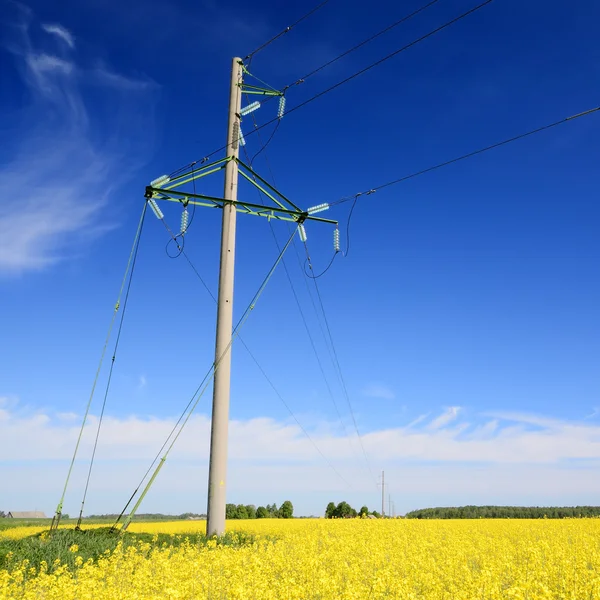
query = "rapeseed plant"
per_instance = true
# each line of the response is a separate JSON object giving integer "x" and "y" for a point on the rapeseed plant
{"x": 330, "y": 559}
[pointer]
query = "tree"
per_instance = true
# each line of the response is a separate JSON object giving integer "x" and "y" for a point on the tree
{"x": 2, "y": 515}
{"x": 376, "y": 514}
{"x": 364, "y": 512}
{"x": 251, "y": 511}
{"x": 330, "y": 511}
{"x": 241, "y": 512}
{"x": 262, "y": 513}
{"x": 231, "y": 511}
{"x": 286, "y": 510}
{"x": 343, "y": 511}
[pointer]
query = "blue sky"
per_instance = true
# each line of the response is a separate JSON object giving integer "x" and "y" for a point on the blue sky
{"x": 464, "y": 316}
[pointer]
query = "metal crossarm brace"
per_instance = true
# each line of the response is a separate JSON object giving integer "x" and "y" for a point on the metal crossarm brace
{"x": 255, "y": 175}
{"x": 254, "y": 89}
{"x": 259, "y": 210}
{"x": 284, "y": 210}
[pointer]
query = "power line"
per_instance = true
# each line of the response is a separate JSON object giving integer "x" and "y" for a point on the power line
{"x": 263, "y": 147}
{"x": 361, "y": 44}
{"x": 329, "y": 265}
{"x": 253, "y": 357}
{"x": 344, "y": 81}
{"x": 339, "y": 368}
{"x": 294, "y": 416}
{"x": 312, "y": 342}
{"x": 310, "y": 337}
{"x": 195, "y": 399}
{"x": 465, "y": 156}
{"x": 286, "y": 30}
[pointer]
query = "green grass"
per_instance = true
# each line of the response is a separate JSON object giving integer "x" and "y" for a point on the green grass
{"x": 93, "y": 543}
{"x": 12, "y": 523}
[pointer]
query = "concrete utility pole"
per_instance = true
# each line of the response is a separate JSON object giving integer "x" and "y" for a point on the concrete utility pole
{"x": 171, "y": 189}
{"x": 382, "y": 493}
{"x": 217, "y": 471}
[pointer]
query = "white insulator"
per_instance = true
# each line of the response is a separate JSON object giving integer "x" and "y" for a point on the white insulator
{"x": 302, "y": 233}
{"x": 318, "y": 208}
{"x": 155, "y": 209}
{"x": 250, "y": 108}
{"x": 184, "y": 220}
{"x": 160, "y": 181}
{"x": 281, "y": 109}
{"x": 242, "y": 140}
{"x": 336, "y": 240}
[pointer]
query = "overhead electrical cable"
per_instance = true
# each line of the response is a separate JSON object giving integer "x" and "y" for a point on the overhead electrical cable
{"x": 310, "y": 337}
{"x": 286, "y": 30}
{"x": 344, "y": 81}
{"x": 195, "y": 399}
{"x": 294, "y": 416}
{"x": 361, "y": 44}
{"x": 465, "y": 156}
{"x": 297, "y": 300}
{"x": 339, "y": 368}
{"x": 312, "y": 343}
{"x": 264, "y": 373}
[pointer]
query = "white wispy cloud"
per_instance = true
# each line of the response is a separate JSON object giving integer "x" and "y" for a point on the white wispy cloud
{"x": 62, "y": 32}
{"x": 44, "y": 63}
{"x": 379, "y": 390}
{"x": 595, "y": 412}
{"x": 495, "y": 461}
{"x": 105, "y": 76}
{"x": 62, "y": 152}
{"x": 449, "y": 415}
{"x": 426, "y": 439}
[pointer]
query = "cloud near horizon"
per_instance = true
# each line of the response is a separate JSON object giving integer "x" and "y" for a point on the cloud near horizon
{"x": 66, "y": 144}
{"x": 500, "y": 457}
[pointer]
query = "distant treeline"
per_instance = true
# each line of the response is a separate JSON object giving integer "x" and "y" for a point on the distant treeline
{"x": 505, "y": 512}
{"x": 249, "y": 511}
{"x": 232, "y": 511}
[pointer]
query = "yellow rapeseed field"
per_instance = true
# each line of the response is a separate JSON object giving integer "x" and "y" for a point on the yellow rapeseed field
{"x": 339, "y": 559}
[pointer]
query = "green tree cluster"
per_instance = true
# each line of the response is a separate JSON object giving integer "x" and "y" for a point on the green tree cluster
{"x": 344, "y": 511}
{"x": 505, "y": 512}
{"x": 249, "y": 511}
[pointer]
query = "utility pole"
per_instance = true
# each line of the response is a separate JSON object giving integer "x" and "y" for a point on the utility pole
{"x": 390, "y": 505}
{"x": 382, "y": 493}
{"x": 276, "y": 206}
{"x": 217, "y": 470}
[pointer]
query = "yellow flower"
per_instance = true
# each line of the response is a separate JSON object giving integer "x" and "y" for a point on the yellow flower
{"x": 343, "y": 559}
{"x": 74, "y": 548}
